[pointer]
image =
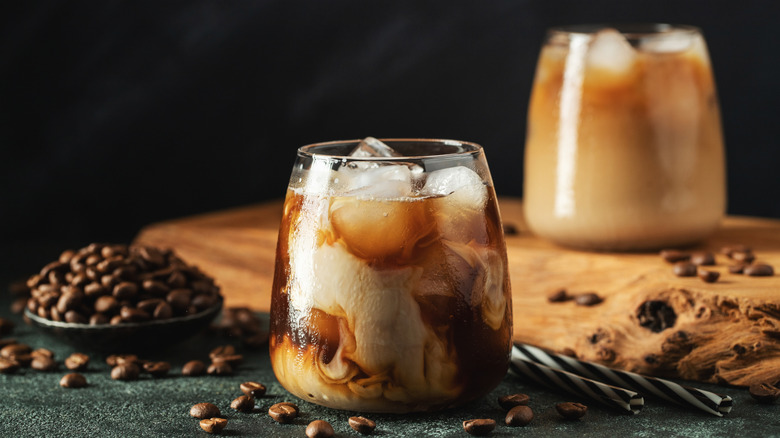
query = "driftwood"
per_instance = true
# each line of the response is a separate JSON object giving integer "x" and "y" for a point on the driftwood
{"x": 650, "y": 321}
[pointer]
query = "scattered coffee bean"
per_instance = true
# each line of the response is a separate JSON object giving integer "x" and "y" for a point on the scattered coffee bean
{"x": 125, "y": 371}
{"x": 559, "y": 296}
{"x": 673, "y": 255}
{"x": 764, "y": 392}
{"x": 13, "y": 350}
{"x": 703, "y": 258}
{"x": 42, "y": 352}
{"x": 319, "y": 429}
{"x": 737, "y": 268}
{"x": 6, "y": 327}
{"x": 73, "y": 380}
{"x": 571, "y": 410}
{"x": 8, "y": 366}
{"x": 243, "y": 403}
{"x": 759, "y": 270}
{"x": 283, "y": 412}
{"x": 508, "y": 402}
{"x": 157, "y": 369}
{"x": 193, "y": 368}
{"x": 219, "y": 368}
{"x": 708, "y": 276}
{"x": 746, "y": 257}
{"x": 205, "y": 410}
{"x": 253, "y": 389}
{"x": 118, "y": 359}
{"x": 77, "y": 362}
{"x": 222, "y": 350}
{"x": 233, "y": 359}
{"x": 362, "y": 425}
{"x": 43, "y": 363}
{"x": 684, "y": 269}
{"x": 213, "y": 425}
{"x": 731, "y": 249}
{"x": 479, "y": 426}
{"x": 519, "y": 416}
{"x": 588, "y": 299}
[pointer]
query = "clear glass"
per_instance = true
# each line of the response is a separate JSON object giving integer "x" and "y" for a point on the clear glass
{"x": 391, "y": 290}
{"x": 624, "y": 149}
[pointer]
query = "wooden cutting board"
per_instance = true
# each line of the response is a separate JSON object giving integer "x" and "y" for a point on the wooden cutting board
{"x": 727, "y": 331}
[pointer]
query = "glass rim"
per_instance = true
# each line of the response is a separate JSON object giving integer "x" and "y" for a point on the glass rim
{"x": 470, "y": 148}
{"x": 629, "y": 30}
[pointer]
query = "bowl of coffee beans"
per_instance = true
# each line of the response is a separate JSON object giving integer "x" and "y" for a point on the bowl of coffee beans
{"x": 112, "y": 297}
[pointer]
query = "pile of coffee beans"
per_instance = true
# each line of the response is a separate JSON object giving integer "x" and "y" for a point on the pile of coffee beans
{"x": 115, "y": 284}
{"x": 692, "y": 264}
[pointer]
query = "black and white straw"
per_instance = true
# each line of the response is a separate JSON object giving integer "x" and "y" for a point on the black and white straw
{"x": 715, "y": 404}
{"x": 613, "y": 396}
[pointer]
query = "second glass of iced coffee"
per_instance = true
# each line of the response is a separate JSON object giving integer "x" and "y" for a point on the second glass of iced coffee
{"x": 624, "y": 147}
{"x": 391, "y": 291}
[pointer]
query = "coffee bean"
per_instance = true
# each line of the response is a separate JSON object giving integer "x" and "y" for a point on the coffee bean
{"x": 13, "y": 350}
{"x": 125, "y": 371}
{"x": 673, "y": 255}
{"x": 737, "y": 268}
{"x": 157, "y": 369}
{"x": 74, "y": 317}
{"x": 8, "y": 366}
{"x": 283, "y": 412}
{"x": 95, "y": 289}
{"x": 588, "y": 299}
{"x": 213, "y": 425}
{"x": 43, "y": 363}
{"x": 765, "y": 393}
{"x": 703, "y": 258}
{"x": 479, "y": 426}
{"x": 571, "y": 410}
{"x": 746, "y": 256}
{"x": 205, "y": 410}
{"x": 362, "y": 425}
{"x": 708, "y": 276}
{"x": 219, "y": 368}
{"x": 222, "y": 350}
{"x": 508, "y": 402}
{"x": 253, "y": 389}
{"x": 116, "y": 320}
{"x": 319, "y": 429}
{"x": 98, "y": 319}
{"x": 73, "y": 380}
{"x": 731, "y": 249}
{"x": 759, "y": 270}
{"x": 684, "y": 269}
{"x": 42, "y": 352}
{"x": 193, "y": 368}
{"x": 559, "y": 296}
{"x": 233, "y": 359}
{"x": 519, "y": 416}
{"x": 151, "y": 255}
{"x": 243, "y": 403}
{"x": 203, "y": 301}
{"x": 162, "y": 311}
{"x": 69, "y": 301}
{"x": 149, "y": 305}
{"x": 131, "y": 314}
{"x": 176, "y": 280}
{"x": 125, "y": 291}
{"x": 179, "y": 299}
{"x": 77, "y": 362}
{"x": 6, "y": 327}
{"x": 119, "y": 359}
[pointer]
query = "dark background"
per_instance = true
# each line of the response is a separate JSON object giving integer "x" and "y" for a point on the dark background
{"x": 117, "y": 114}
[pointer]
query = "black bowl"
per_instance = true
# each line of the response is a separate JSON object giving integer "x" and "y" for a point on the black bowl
{"x": 128, "y": 337}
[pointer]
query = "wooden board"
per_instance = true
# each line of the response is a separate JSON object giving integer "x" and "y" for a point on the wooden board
{"x": 727, "y": 331}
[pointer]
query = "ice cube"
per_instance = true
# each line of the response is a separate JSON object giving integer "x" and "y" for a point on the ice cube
{"x": 667, "y": 42}
{"x": 610, "y": 50}
{"x": 386, "y": 181}
{"x": 371, "y": 147}
{"x": 461, "y": 185}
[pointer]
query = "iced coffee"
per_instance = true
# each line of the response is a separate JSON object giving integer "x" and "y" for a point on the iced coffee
{"x": 624, "y": 147}
{"x": 391, "y": 291}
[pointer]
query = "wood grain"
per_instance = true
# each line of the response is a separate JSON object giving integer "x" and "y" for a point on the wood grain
{"x": 727, "y": 331}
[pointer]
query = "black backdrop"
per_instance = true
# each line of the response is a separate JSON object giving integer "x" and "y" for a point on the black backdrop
{"x": 116, "y": 114}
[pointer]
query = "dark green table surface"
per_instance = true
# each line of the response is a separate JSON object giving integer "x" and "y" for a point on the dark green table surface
{"x": 33, "y": 404}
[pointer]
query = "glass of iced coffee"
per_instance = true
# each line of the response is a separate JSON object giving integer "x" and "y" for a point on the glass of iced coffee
{"x": 391, "y": 291}
{"x": 624, "y": 148}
